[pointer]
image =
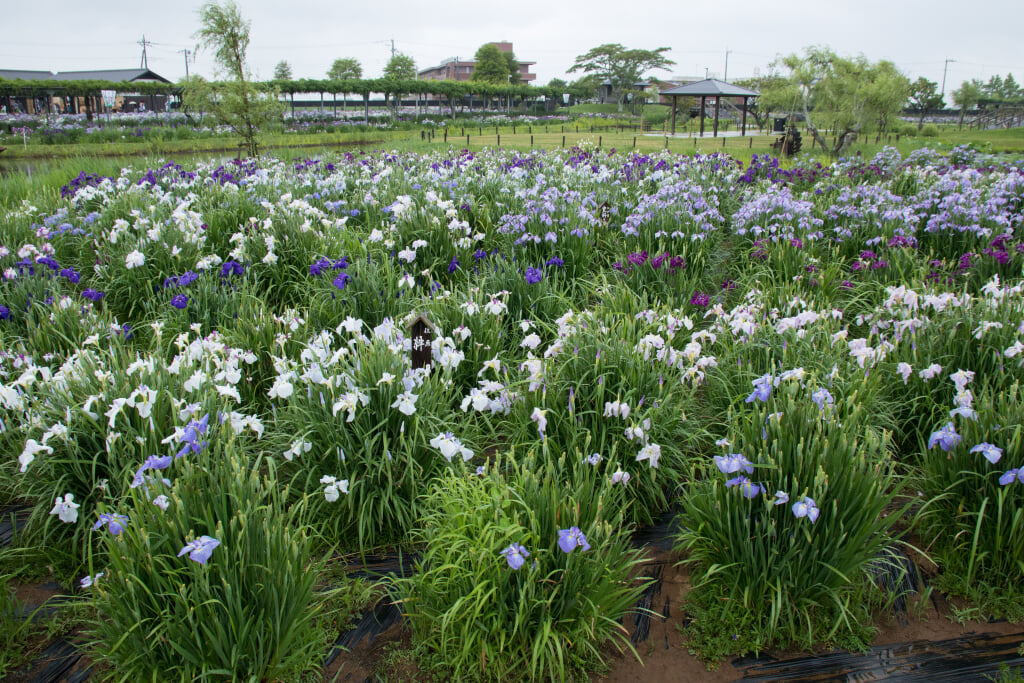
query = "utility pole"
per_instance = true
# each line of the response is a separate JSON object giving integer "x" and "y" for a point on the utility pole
{"x": 392, "y": 48}
{"x": 946, "y": 66}
{"x": 144, "y": 43}
{"x": 726, "y": 76}
{"x": 186, "y": 52}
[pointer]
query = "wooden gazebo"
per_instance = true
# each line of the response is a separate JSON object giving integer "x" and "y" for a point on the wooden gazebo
{"x": 710, "y": 87}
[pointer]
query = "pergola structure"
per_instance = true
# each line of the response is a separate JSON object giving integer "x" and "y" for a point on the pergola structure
{"x": 710, "y": 87}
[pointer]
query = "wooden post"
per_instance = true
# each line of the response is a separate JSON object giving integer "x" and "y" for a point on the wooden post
{"x": 563, "y": 141}
{"x": 718, "y": 99}
{"x": 703, "y": 101}
{"x": 499, "y": 141}
{"x": 531, "y": 142}
{"x": 673, "y": 114}
{"x": 467, "y": 141}
{"x": 634, "y": 142}
{"x": 743, "y": 131}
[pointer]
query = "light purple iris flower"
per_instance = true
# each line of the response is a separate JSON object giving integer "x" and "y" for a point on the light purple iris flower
{"x": 990, "y": 452}
{"x": 114, "y": 523}
{"x": 568, "y": 539}
{"x": 946, "y": 438}
{"x": 200, "y": 549}
{"x": 806, "y": 508}
{"x": 1011, "y": 475}
{"x": 733, "y": 462}
{"x": 516, "y": 555}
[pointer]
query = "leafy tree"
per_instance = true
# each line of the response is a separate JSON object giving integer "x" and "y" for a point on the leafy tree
{"x": 968, "y": 95}
{"x": 401, "y": 67}
{"x": 558, "y": 84}
{"x": 842, "y": 94}
{"x": 993, "y": 90}
{"x": 620, "y": 66}
{"x": 512, "y": 64}
{"x": 345, "y": 69}
{"x": 283, "y": 71}
{"x": 924, "y": 98}
{"x": 775, "y": 96}
{"x": 490, "y": 65}
{"x": 1011, "y": 91}
{"x": 585, "y": 87}
{"x": 235, "y": 101}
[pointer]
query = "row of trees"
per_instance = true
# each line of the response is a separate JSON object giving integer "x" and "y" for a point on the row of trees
{"x": 401, "y": 66}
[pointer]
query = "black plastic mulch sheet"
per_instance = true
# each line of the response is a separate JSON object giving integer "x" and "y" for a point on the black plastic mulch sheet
{"x": 967, "y": 659}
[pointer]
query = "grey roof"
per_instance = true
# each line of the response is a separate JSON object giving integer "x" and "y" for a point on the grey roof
{"x": 25, "y": 75}
{"x": 713, "y": 87}
{"x": 115, "y": 75}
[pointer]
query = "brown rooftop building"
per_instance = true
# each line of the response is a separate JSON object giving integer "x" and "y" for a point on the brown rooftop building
{"x": 455, "y": 69}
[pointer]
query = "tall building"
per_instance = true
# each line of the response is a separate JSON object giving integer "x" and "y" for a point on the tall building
{"x": 455, "y": 69}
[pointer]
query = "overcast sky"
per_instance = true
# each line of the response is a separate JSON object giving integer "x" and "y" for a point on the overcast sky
{"x": 983, "y": 36}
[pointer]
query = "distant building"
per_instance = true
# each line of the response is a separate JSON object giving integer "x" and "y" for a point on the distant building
{"x": 126, "y": 101}
{"x": 455, "y": 69}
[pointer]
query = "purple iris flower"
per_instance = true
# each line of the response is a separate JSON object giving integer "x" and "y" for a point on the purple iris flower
{"x": 153, "y": 462}
{"x": 71, "y": 274}
{"x": 700, "y": 299}
{"x": 821, "y": 396}
{"x": 568, "y": 539}
{"x": 190, "y": 436}
{"x": 515, "y": 555}
{"x": 762, "y": 389}
{"x": 342, "y": 280}
{"x": 806, "y": 508}
{"x": 946, "y": 438}
{"x": 533, "y": 275}
{"x": 114, "y": 523}
{"x": 92, "y": 294}
{"x": 454, "y": 265}
{"x": 990, "y": 452}
{"x": 1010, "y": 475}
{"x": 200, "y": 549}
{"x": 749, "y": 489}
{"x": 733, "y": 462}
{"x": 5, "y": 312}
{"x": 179, "y": 301}
{"x": 188, "y": 278}
{"x": 231, "y": 268}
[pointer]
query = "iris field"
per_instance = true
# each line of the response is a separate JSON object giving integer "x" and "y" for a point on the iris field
{"x": 210, "y": 386}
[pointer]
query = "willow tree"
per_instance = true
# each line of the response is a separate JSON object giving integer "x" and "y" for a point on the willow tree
{"x": 235, "y": 101}
{"x": 846, "y": 95}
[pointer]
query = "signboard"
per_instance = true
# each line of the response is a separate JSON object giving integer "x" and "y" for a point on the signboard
{"x": 109, "y": 97}
{"x": 605, "y": 213}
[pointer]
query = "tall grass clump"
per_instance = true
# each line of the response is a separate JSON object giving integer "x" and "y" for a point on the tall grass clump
{"x": 524, "y": 574}
{"x": 971, "y": 474}
{"x": 363, "y": 431}
{"x": 781, "y": 534}
{"x": 207, "y": 577}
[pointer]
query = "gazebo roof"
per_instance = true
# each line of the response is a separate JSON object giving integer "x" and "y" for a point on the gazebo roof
{"x": 712, "y": 87}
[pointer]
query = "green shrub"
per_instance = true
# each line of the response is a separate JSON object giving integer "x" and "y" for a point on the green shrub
{"x": 482, "y": 609}
{"x": 241, "y": 610}
{"x": 364, "y": 418}
{"x": 783, "y": 545}
{"x": 930, "y": 130}
{"x": 974, "y": 520}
